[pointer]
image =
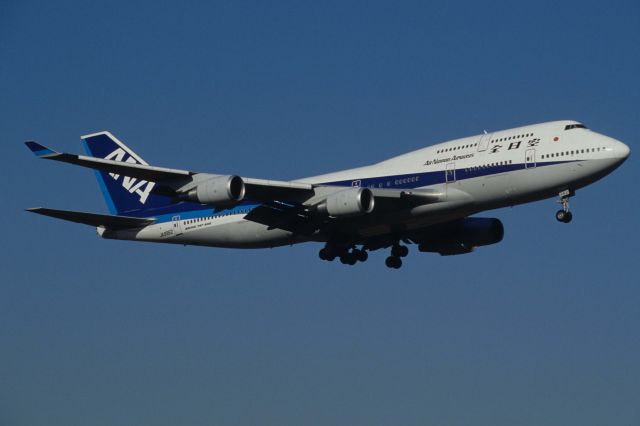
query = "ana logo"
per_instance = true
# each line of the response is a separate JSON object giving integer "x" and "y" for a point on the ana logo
{"x": 133, "y": 185}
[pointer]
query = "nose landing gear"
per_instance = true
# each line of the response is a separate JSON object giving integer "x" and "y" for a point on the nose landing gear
{"x": 564, "y": 215}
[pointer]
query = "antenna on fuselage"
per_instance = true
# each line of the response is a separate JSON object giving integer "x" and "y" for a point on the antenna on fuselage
{"x": 485, "y": 132}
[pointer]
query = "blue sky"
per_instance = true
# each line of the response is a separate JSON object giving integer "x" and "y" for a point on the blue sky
{"x": 540, "y": 329}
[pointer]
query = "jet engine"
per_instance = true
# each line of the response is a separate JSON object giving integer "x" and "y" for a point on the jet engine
{"x": 219, "y": 190}
{"x": 350, "y": 202}
{"x": 461, "y": 236}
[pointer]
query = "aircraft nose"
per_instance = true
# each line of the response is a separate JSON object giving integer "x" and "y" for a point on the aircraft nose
{"x": 622, "y": 150}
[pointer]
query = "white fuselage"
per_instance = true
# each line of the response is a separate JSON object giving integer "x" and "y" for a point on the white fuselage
{"x": 477, "y": 173}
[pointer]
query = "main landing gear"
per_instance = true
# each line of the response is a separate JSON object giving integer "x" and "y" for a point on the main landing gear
{"x": 346, "y": 256}
{"x": 564, "y": 215}
{"x": 352, "y": 255}
{"x": 397, "y": 252}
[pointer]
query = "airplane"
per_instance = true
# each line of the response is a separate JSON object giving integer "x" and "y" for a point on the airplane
{"x": 426, "y": 197}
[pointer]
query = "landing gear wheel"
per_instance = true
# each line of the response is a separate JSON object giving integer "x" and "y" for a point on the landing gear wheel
{"x": 567, "y": 217}
{"x": 399, "y": 251}
{"x": 560, "y": 214}
{"x": 348, "y": 259}
{"x": 326, "y": 254}
{"x": 361, "y": 255}
{"x": 322, "y": 254}
{"x": 564, "y": 216}
{"x": 393, "y": 262}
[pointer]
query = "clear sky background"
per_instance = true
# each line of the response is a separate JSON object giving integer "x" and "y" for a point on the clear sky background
{"x": 542, "y": 329}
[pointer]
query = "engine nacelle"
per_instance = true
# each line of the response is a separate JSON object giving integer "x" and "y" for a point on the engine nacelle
{"x": 350, "y": 202}
{"x": 219, "y": 190}
{"x": 461, "y": 236}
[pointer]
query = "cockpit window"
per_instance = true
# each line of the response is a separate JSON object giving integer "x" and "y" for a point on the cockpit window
{"x": 574, "y": 126}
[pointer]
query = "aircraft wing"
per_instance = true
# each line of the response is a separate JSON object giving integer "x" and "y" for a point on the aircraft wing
{"x": 93, "y": 219}
{"x": 139, "y": 171}
{"x": 179, "y": 180}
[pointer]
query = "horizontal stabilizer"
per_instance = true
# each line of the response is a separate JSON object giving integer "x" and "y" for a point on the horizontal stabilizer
{"x": 94, "y": 219}
{"x": 39, "y": 150}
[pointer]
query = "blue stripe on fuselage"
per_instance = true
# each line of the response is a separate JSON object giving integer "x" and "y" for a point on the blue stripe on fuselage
{"x": 414, "y": 180}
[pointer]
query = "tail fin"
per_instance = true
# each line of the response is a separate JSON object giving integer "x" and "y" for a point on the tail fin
{"x": 122, "y": 194}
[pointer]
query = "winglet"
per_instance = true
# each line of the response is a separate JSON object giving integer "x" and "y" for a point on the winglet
{"x": 39, "y": 150}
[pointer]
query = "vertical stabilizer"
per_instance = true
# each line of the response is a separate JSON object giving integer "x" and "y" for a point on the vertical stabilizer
{"x": 123, "y": 194}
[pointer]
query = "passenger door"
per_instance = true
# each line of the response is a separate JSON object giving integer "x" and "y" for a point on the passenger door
{"x": 483, "y": 143}
{"x": 450, "y": 173}
{"x": 177, "y": 225}
{"x": 530, "y": 159}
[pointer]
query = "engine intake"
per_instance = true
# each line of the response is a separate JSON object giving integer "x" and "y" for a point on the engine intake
{"x": 219, "y": 190}
{"x": 461, "y": 236}
{"x": 350, "y": 202}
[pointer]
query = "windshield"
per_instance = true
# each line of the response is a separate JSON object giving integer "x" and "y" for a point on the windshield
{"x": 575, "y": 126}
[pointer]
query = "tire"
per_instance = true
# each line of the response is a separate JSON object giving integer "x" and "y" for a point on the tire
{"x": 398, "y": 263}
{"x": 362, "y": 255}
{"x": 399, "y": 251}
{"x": 348, "y": 259}
{"x": 322, "y": 254}
{"x": 393, "y": 262}
{"x": 560, "y": 215}
{"x": 389, "y": 261}
{"x": 567, "y": 217}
